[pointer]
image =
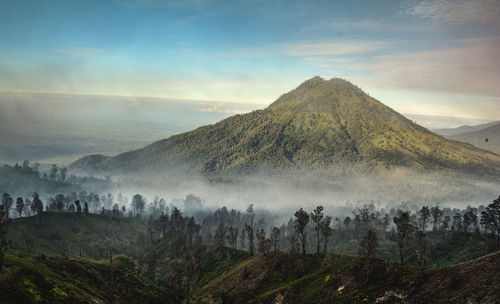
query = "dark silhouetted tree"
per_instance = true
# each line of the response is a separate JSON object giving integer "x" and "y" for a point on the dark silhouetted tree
{"x": 470, "y": 219}
{"x": 301, "y": 220}
{"x": 260, "y": 235}
{"x": 490, "y": 219}
{"x": 37, "y": 203}
{"x": 250, "y": 228}
{"x": 436, "y": 217}
{"x": 53, "y": 172}
{"x": 317, "y": 218}
{"x": 78, "y": 207}
{"x": 326, "y": 231}
{"x": 275, "y": 237}
{"x": 7, "y": 202}
{"x": 368, "y": 247}
{"x": 4, "y": 225}
{"x": 404, "y": 231}
{"x": 138, "y": 203}
{"x": 19, "y": 206}
{"x": 232, "y": 236}
{"x": 219, "y": 237}
{"x": 425, "y": 214}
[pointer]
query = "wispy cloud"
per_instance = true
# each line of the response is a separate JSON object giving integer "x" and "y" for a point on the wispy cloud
{"x": 470, "y": 67}
{"x": 458, "y": 11}
{"x": 223, "y": 108}
{"x": 333, "y": 48}
{"x": 82, "y": 52}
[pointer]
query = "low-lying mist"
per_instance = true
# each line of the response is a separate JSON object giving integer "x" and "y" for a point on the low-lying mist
{"x": 284, "y": 191}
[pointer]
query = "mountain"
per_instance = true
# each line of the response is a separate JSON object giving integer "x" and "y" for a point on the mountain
{"x": 338, "y": 278}
{"x": 487, "y": 138}
{"x": 449, "y": 132}
{"x": 320, "y": 124}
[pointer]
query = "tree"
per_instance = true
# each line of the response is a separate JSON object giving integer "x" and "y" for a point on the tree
{"x": 176, "y": 220}
{"x": 249, "y": 228}
{"x": 457, "y": 222}
{"x": 192, "y": 230}
{"x": 59, "y": 202}
{"x": 490, "y": 219}
{"x": 19, "y": 205}
{"x": 242, "y": 239}
{"x": 53, "y": 172}
{"x": 425, "y": 214}
{"x": 138, "y": 203}
{"x": 470, "y": 218}
{"x": 403, "y": 235}
{"x": 423, "y": 248}
{"x": 4, "y": 225}
{"x": 219, "y": 237}
{"x": 63, "y": 172}
{"x": 347, "y": 222}
{"x": 116, "y": 210}
{"x": 275, "y": 237}
{"x": 445, "y": 224}
{"x": 436, "y": 217}
{"x": 368, "y": 246}
{"x": 78, "y": 207}
{"x": 317, "y": 218}
{"x": 301, "y": 220}
{"x": 37, "y": 203}
{"x": 261, "y": 241}
{"x": 326, "y": 231}
{"x": 232, "y": 236}
{"x": 7, "y": 202}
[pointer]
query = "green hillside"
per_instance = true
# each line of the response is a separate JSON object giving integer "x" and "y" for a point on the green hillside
{"x": 344, "y": 279}
{"x": 320, "y": 124}
{"x": 91, "y": 235}
{"x": 75, "y": 280}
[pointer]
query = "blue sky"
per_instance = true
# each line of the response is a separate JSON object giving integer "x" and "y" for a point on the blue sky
{"x": 424, "y": 57}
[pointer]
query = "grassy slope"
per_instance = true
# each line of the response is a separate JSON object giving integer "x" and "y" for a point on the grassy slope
{"x": 75, "y": 280}
{"x": 342, "y": 279}
{"x": 316, "y": 125}
{"x": 211, "y": 263}
{"x": 64, "y": 233}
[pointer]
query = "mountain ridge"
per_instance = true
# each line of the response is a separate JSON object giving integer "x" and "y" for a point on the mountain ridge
{"x": 320, "y": 124}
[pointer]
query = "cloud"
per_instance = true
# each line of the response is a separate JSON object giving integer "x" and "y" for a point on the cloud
{"x": 333, "y": 48}
{"x": 470, "y": 67}
{"x": 222, "y": 108}
{"x": 458, "y": 11}
{"x": 82, "y": 52}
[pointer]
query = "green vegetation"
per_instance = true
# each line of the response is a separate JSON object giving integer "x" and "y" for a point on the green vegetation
{"x": 41, "y": 279}
{"x": 334, "y": 278}
{"x": 321, "y": 124}
{"x": 88, "y": 235}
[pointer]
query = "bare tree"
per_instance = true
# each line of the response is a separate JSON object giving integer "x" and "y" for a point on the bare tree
{"x": 301, "y": 220}
{"x": 317, "y": 218}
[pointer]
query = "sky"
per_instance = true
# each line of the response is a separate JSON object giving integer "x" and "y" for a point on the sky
{"x": 421, "y": 57}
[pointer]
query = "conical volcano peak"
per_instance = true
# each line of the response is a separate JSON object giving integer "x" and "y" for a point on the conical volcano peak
{"x": 320, "y": 124}
{"x": 311, "y": 83}
{"x": 318, "y": 92}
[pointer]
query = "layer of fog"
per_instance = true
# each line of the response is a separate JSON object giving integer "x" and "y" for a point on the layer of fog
{"x": 284, "y": 192}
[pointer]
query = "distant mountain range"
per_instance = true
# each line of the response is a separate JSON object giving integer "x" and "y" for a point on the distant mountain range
{"x": 486, "y": 136}
{"x": 320, "y": 124}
